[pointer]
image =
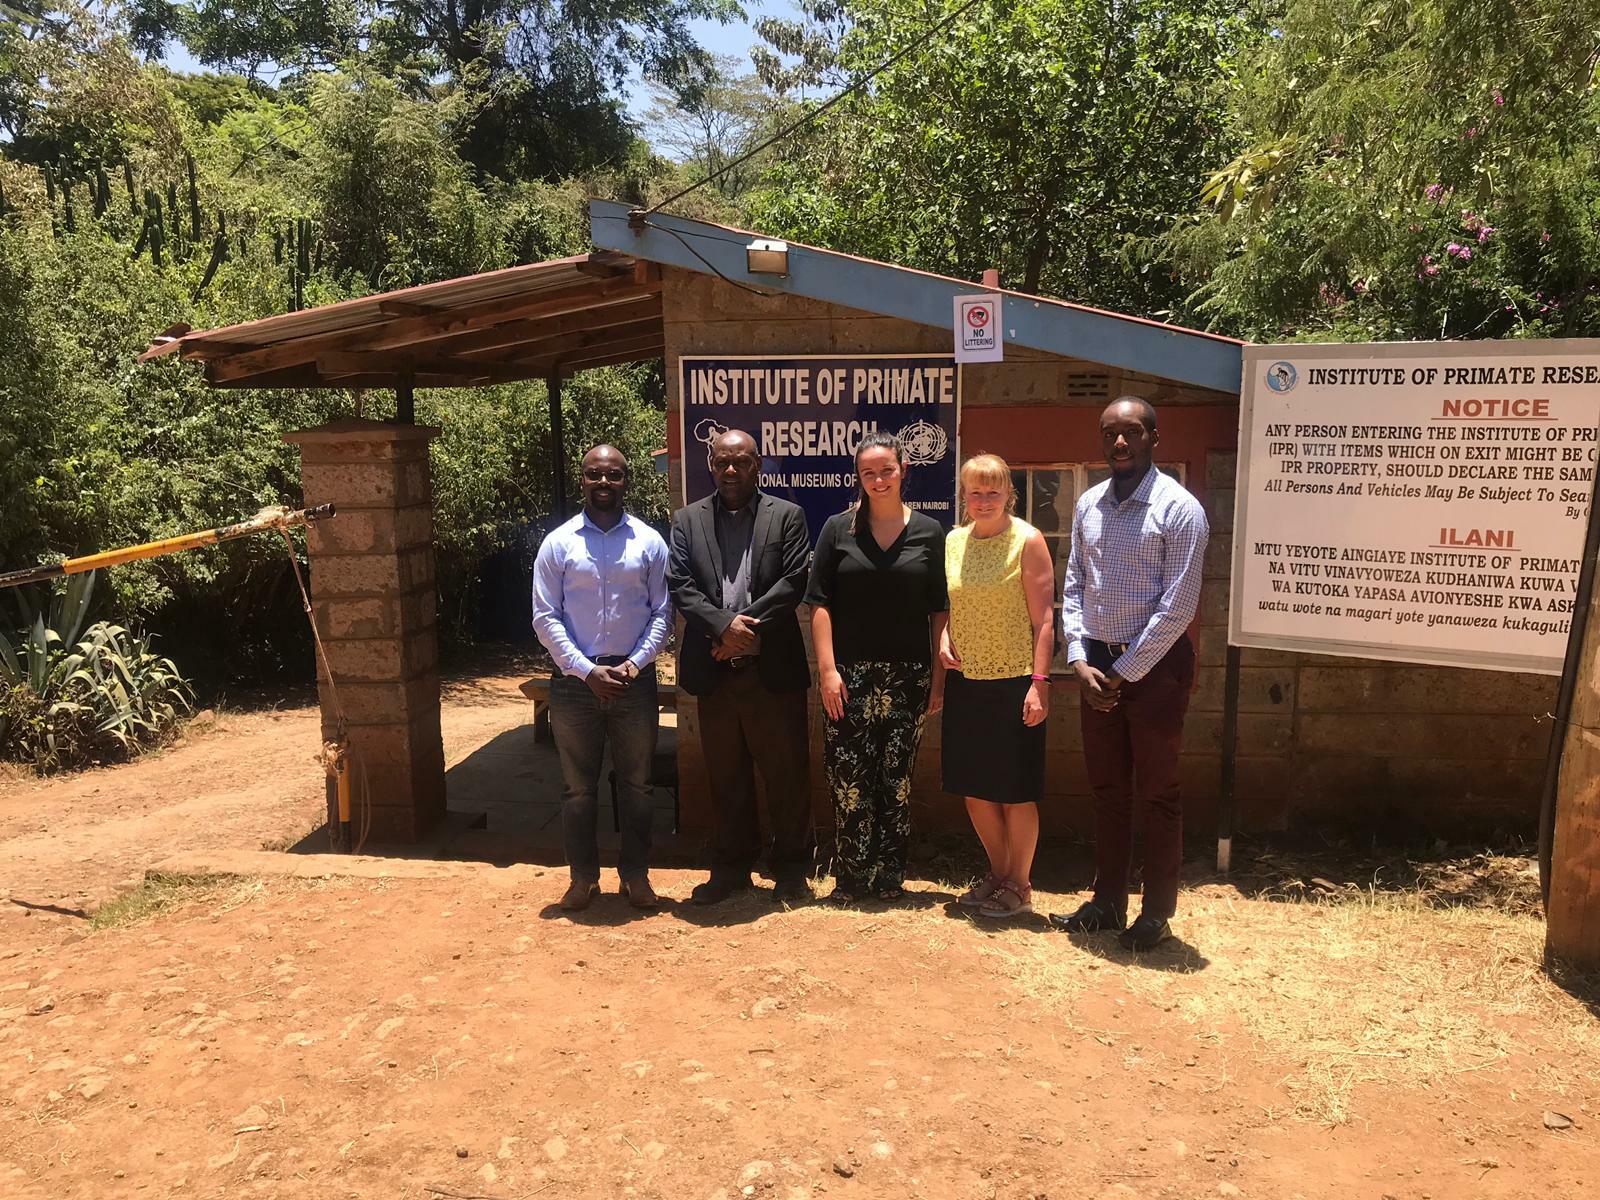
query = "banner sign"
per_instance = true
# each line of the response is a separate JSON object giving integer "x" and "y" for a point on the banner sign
{"x": 807, "y": 415}
{"x": 1419, "y": 502}
{"x": 977, "y": 329}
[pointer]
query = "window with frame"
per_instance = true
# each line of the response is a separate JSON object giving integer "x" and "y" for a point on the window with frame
{"x": 1047, "y": 495}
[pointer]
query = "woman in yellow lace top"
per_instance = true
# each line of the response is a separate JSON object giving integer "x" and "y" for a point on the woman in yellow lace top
{"x": 996, "y": 688}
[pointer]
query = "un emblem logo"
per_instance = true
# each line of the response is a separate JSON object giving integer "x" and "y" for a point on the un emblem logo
{"x": 924, "y": 443}
{"x": 1281, "y": 377}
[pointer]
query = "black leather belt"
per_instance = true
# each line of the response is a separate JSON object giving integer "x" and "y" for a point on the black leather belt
{"x": 610, "y": 660}
{"x": 1117, "y": 649}
{"x": 742, "y": 661}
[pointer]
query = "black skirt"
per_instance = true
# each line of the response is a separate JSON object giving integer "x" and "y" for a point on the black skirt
{"x": 988, "y": 753}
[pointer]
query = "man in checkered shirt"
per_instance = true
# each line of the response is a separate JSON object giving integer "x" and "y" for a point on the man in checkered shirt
{"x": 1132, "y": 588}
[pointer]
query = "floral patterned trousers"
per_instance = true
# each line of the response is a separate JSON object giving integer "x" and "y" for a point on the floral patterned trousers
{"x": 870, "y": 753}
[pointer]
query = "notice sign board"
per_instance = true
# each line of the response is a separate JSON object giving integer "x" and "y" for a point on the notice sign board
{"x": 808, "y": 414}
{"x": 977, "y": 329}
{"x": 1418, "y": 502}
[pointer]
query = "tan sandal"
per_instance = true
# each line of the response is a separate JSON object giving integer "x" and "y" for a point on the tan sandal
{"x": 1009, "y": 900}
{"x": 978, "y": 893}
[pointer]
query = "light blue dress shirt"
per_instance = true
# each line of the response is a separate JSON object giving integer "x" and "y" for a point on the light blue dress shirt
{"x": 601, "y": 592}
{"x": 1134, "y": 572}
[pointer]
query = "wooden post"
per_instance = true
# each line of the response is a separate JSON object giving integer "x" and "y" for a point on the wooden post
{"x": 405, "y": 402}
{"x": 1570, "y": 823}
{"x": 1227, "y": 805}
{"x": 558, "y": 449}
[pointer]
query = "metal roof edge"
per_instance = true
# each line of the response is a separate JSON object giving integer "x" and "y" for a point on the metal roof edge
{"x": 1058, "y": 327}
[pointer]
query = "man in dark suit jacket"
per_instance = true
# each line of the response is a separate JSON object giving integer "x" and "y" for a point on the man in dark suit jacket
{"x": 737, "y": 571}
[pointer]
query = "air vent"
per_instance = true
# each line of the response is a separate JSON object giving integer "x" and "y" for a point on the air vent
{"x": 1088, "y": 385}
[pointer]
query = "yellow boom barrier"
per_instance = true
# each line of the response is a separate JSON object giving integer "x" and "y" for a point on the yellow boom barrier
{"x": 266, "y": 519}
{"x": 336, "y": 756}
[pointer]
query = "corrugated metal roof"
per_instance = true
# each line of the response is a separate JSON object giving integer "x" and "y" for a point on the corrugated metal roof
{"x": 365, "y": 311}
{"x": 521, "y": 322}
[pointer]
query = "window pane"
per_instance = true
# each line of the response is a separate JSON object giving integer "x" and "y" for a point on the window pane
{"x": 1052, "y": 499}
{"x": 1058, "y": 660}
{"x": 1019, "y": 484}
{"x": 1060, "y": 547}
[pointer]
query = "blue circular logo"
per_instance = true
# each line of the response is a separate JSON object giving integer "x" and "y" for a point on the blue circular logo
{"x": 1281, "y": 377}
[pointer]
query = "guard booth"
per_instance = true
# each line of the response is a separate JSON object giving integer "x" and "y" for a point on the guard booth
{"x": 663, "y": 287}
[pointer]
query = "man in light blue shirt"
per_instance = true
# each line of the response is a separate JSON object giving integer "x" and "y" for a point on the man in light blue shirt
{"x": 600, "y": 608}
{"x": 1131, "y": 591}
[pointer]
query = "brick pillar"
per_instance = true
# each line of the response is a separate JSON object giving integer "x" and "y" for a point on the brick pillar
{"x": 372, "y": 587}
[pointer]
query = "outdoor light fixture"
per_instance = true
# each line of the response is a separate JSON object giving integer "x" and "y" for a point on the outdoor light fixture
{"x": 763, "y": 257}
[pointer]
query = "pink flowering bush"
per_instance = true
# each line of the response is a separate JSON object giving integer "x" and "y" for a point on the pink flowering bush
{"x": 1475, "y": 211}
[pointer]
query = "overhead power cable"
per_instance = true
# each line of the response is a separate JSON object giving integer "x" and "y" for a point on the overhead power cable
{"x": 915, "y": 44}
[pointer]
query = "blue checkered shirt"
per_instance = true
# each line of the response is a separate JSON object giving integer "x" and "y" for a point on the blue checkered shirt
{"x": 1133, "y": 574}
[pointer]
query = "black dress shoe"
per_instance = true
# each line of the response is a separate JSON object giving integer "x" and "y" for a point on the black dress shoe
{"x": 1089, "y": 918}
{"x": 715, "y": 891}
{"x": 791, "y": 892}
{"x": 1146, "y": 933}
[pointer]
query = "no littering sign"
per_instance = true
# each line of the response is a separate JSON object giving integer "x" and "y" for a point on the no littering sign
{"x": 977, "y": 329}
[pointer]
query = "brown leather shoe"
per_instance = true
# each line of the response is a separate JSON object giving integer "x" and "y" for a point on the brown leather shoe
{"x": 579, "y": 895}
{"x": 638, "y": 892}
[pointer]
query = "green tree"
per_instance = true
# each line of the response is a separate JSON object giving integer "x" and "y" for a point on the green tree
{"x": 97, "y": 451}
{"x": 1412, "y": 169}
{"x": 714, "y": 127}
{"x": 1042, "y": 137}
{"x": 546, "y": 79}
{"x": 246, "y": 35}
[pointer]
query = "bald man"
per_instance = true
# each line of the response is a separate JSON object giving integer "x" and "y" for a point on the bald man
{"x": 600, "y": 608}
{"x": 737, "y": 569}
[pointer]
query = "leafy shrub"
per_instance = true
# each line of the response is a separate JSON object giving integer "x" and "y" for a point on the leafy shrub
{"x": 66, "y": 702}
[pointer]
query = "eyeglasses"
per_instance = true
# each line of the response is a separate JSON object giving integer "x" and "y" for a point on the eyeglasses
{"x": 612, "y": 475}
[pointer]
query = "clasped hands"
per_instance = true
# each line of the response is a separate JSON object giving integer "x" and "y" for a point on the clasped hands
{"x": 608, "y": 683}
{"x": 738, "y": 638}
{"x": 1101, "y": 689}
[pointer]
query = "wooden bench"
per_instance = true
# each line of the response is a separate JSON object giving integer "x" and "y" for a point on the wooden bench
{"x": 538, "y": 691}
{"x": 664, "y": 770}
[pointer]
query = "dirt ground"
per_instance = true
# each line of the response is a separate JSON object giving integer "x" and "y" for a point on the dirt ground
{"x": 444, "y": 1030}
{"x": 239, "y": 779}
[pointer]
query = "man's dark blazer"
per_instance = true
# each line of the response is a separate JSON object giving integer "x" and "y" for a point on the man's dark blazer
{"x": 780, "y": 557}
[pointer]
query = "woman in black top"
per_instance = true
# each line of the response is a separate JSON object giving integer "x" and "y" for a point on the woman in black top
{"x": 878, "y": 606}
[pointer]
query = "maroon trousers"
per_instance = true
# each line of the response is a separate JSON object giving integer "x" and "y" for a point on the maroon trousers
{"x": 1132, "y": 757}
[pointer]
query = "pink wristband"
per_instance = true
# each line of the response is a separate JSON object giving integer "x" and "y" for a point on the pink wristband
{"x": 1041, "y": 679}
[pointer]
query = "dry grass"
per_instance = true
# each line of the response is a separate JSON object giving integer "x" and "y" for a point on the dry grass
{"x": 1387, "y": 991}
{"x": 159, "y": 893}
{"x": 1505, "y": 883}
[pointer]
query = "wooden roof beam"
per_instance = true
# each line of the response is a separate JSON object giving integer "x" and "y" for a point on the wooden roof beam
{"x": 520, "y": 333}
{"x": 310, "y": 377}
{"x": 620, "y": 351}
{"x": 613, "y": 360}
{"x": 410, "y": 331}
{"x": 605, "y": 264}
{"x": 342, "y": 363}
{"x": 407, "y": 308}
{"x": 585, "y": 340}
